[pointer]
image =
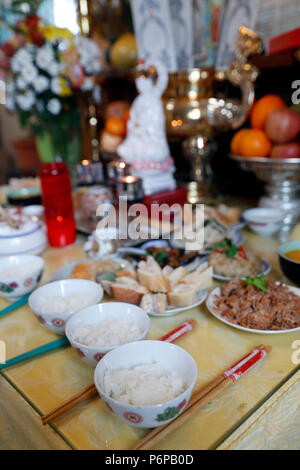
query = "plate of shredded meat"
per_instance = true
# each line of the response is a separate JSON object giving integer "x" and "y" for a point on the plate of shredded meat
{"x": 257, "y": 305}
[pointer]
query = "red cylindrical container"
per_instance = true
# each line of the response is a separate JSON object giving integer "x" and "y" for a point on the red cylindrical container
{"x": 58, "y": 204}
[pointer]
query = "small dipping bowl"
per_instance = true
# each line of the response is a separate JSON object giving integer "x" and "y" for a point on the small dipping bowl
{"x": 55, "y": 321}
{"x": 171, "y": 358}
{"x": 290, "y": 268}
{"x": 264, "y": 221}
{"x": 17, "y": 285}
{"x": 100, "y": 313}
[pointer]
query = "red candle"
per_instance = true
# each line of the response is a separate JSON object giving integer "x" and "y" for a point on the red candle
{"x": 58, "y": 204}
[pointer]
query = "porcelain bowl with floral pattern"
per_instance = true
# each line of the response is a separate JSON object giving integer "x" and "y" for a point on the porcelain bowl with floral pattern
{"x": 19, "y": 275}
{"x": 170, "y": 358}
{"x": 53, "y": 318}
{"x": 98, "y": 314}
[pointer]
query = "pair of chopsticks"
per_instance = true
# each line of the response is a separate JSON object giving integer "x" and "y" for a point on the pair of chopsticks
{"x": 202, "y": 398}
{"x": 57, "y": 344}
{"x": 91, "y": 391}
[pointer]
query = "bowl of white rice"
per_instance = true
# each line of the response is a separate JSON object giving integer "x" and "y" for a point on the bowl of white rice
{"x": 55, "y": 303}
{"x": 147, "y": 384}
{"x": 99, "y": 329}
{"x": 19, "y": 275}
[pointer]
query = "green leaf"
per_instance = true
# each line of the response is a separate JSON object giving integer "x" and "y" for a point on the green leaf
{"x": 169, "y": 413}
{"x": 24, "y": 118}
{"x": 5, "y": 288}
{"x": 111, "y": 277}
{"x": 258, "y": 282}
{"x": 222, "y": 245}
{"x": 159, "y": 256}
{"x": 227, "y": 247}
{"x": 232, "y": 251}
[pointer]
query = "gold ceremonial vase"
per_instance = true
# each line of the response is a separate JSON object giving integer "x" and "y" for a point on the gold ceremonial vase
{"x": 202, "y": 102}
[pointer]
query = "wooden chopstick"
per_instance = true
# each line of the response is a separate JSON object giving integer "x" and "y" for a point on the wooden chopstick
{"x": 197, "y": 396}
{"x": 198, "y": 401}
{"x": 202, "y": 398}
{"x": 91, "y": 391}
{"x": 85, "y": 394}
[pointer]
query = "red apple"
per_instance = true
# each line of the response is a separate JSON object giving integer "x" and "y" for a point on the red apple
{"x": 291, "y": 150}
{"x": 283, "y": 125}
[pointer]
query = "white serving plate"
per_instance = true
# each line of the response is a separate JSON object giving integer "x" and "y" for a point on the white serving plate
{"x": 265, "y": 271}
{"x": 65, "y": 271}
{"x": 192, "y": 266}
{"x": 240, "y": 225}
{"x": 210, "y": 306}
{"x": 171, "y": 311}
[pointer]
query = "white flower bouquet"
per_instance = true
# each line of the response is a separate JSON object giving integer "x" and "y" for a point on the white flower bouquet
{"x": 46, "y": 70}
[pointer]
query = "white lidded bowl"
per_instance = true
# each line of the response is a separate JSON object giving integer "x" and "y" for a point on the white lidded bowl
{"x": 15, "y": 286}
{"x": 30, "y": 239}
{"x": 55, "y": 321}
{"x": 98, "y": 314}
{"x": 264, "y": 221}
{"x": 35, "y": 212}
{"x": 171, "y": 358}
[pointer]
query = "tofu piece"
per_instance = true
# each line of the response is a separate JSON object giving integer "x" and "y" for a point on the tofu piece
{"x": 182, "y": 296}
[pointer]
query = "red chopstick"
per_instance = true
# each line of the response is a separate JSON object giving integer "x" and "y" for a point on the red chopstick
{"x": 182, "y": 330}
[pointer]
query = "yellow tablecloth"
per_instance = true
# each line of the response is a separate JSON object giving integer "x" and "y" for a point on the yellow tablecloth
{"x": 47, "y": 381}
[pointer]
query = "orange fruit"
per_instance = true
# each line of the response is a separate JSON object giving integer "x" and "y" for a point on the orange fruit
{"x": 255, "y": 143}
{"x": 116, "y": 109}
{"x": 262, "y": 109}
{"x": 115, "y": 126}
{"x": 235, "y": 145}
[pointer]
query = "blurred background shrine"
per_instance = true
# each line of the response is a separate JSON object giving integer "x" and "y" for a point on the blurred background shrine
{"x": 115, "y": 26}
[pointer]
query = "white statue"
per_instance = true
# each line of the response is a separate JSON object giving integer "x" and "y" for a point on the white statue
{"x": 146, "y": 147}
